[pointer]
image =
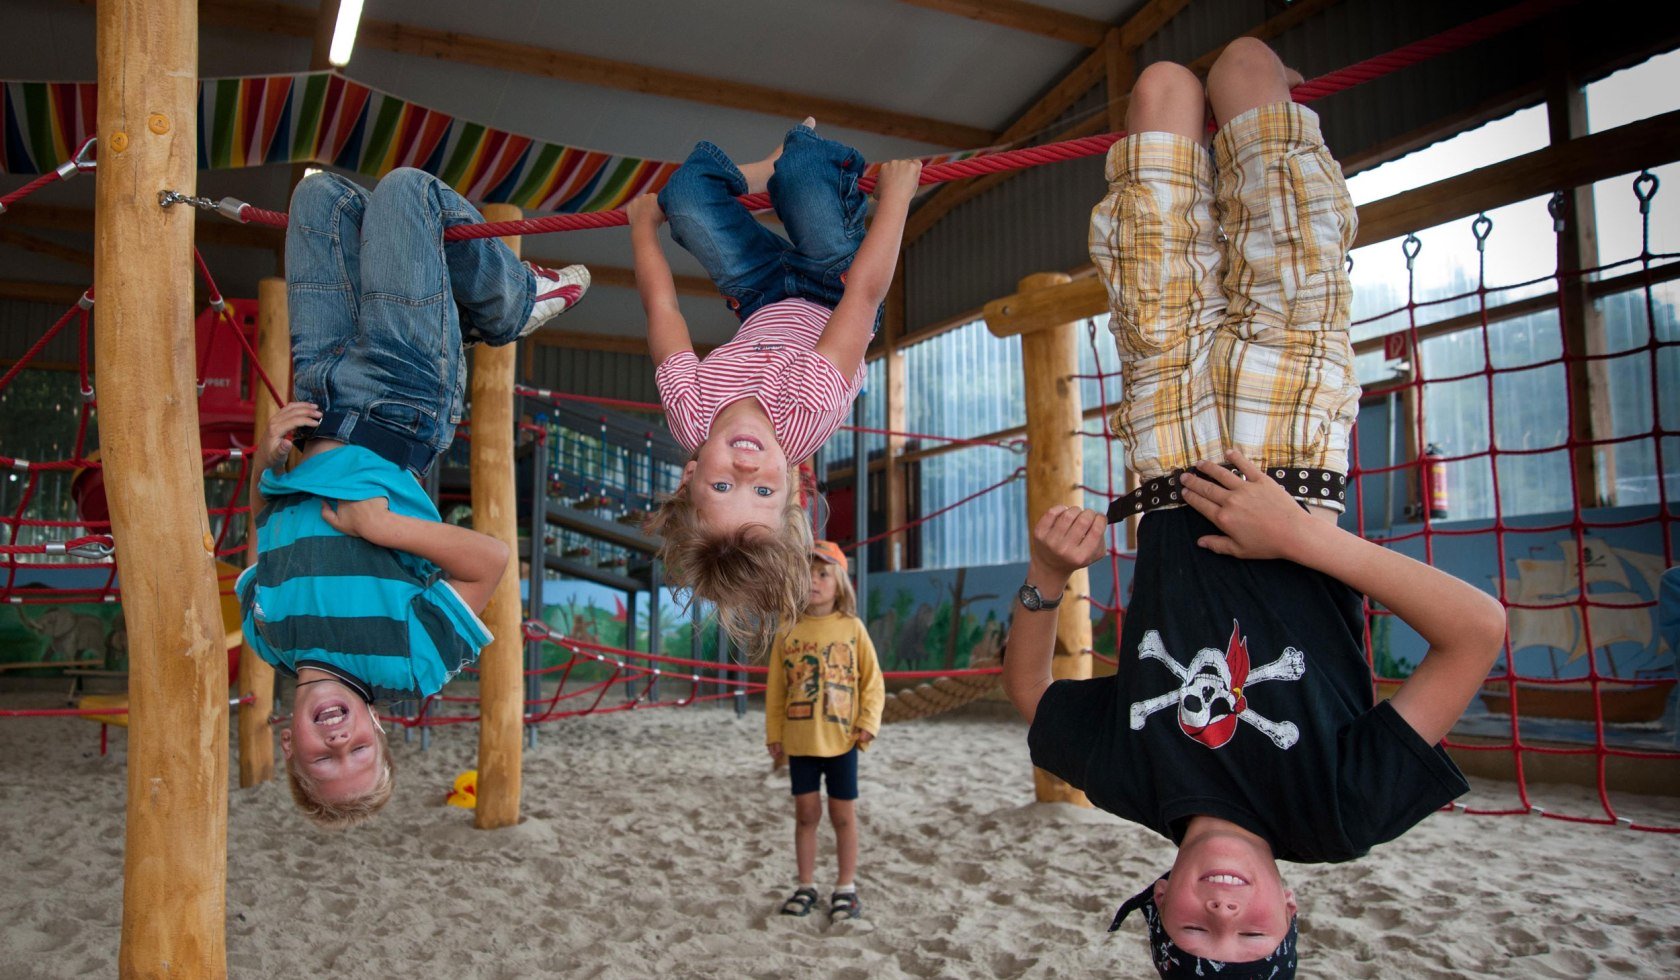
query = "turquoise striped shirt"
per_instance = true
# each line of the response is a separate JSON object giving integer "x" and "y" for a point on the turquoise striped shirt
{"x": 316, "y": 597}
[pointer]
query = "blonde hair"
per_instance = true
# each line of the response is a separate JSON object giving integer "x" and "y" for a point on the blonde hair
{"x": 845, "y": 594}
{"x": 339, "y": 815}
{"x": 758, "y": 582}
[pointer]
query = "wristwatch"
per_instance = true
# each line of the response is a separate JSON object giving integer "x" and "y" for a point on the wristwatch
{"x": 1032, "y": 601}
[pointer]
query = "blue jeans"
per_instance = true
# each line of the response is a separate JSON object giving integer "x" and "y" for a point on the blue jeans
{"x": 814, "y": 191}
{"x": 379, "y": 306}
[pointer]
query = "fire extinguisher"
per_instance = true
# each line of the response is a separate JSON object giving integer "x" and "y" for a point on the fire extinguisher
{"x": 1434, "y": 481}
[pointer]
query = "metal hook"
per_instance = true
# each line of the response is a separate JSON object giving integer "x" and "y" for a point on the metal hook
{"x": 1556, "y": 207}
{"x": 1481, "y": 228}
{"x": 1410, "y": 248}
{"x": 1645, "y": 187}
{"x": 91, "y": 550}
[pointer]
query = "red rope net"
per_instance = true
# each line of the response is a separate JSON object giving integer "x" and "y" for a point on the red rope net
{"x": 1598, "y": 695}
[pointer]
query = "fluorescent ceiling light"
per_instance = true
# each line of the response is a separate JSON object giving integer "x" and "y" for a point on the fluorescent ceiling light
{"x": 344, "y": 32}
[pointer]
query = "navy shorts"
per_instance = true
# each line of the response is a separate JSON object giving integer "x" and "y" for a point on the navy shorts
{"x": 840, "y": 772}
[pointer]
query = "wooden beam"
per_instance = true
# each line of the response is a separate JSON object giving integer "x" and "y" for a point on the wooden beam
{"x": 24, "y": 291}
{"x": 1151, "y": 17}
{"x": 1018, "y": 15}
{"x": 578, "y": 340}
{"x": 1583, "y": 323}
{"x": 528, "y": 59}
{"x": 1094, "y": 68}
{"x": 218, "y": 231}
{"x": 1647, "y": 143}
{"x": 619, "y": 277}
{"x": 174, "y": 883}
{"x": 1293, "y": 16}
{"x": 45, "y": 246}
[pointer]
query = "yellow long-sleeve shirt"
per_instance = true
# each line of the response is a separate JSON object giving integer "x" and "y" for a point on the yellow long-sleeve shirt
{"x": 824, "y": 682}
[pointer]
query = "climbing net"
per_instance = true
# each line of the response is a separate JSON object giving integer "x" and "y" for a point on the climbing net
{"x": 1592, "y": 600}
{"x": 582, "y": 681}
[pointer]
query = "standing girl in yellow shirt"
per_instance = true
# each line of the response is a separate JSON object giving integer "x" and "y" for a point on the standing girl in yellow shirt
{"x": 822, "y": 703}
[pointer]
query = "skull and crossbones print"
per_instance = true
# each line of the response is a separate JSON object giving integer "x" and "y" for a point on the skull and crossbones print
{"x": 1210, "y": 698}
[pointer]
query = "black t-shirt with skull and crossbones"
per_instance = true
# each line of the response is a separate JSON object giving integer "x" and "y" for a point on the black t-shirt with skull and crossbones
{"x": 1243, "y": 692}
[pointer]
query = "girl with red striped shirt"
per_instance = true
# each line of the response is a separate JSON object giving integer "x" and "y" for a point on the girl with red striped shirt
{"x": 754, "y": 408}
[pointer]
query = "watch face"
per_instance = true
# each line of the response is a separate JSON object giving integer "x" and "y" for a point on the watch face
{"x": 1030, "y": 598}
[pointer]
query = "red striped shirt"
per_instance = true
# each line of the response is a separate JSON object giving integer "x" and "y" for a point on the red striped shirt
{"x": 772, "y": 359}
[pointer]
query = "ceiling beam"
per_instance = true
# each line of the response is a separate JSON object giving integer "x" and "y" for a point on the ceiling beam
{"x": 219, "y": 231}
{"x": 1084, "y": 77}
{"x": 41, "y": 292}
{"x": 621, "y": 277}
{"x": 1018, "y": 15}
{"x": 11, "y": 235}
{"x": 610, "y": 343}
{"x": 277, "y": 18}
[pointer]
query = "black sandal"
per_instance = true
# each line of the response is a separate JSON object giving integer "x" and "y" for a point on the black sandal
{"x": 800, "y": 902}
{"x": 844, "y": 905}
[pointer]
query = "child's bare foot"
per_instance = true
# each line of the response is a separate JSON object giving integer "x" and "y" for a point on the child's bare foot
{"x": 758, "y": 172}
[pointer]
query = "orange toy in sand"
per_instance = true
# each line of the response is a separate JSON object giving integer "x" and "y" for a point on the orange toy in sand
{"x": 465, "y": 793}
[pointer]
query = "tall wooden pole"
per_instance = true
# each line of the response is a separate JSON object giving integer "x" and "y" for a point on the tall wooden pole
{"x": 501, "y": 677}
{"x": 256, "y": 677}
{"x": 1055, "y": 469}
{"x": 175, "y": 858}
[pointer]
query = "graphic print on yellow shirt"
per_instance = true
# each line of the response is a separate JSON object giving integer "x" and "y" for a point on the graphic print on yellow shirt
{"x": 826, "y": 677}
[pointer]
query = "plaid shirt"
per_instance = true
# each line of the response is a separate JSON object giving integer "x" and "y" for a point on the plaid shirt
{"x": 1228, "y": 285}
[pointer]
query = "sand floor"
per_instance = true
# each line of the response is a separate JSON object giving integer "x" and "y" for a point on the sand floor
{"x": 660, "y": 843}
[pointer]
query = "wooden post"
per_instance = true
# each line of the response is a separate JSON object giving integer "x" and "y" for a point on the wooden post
{"x": 175, "y": 855}
{"x": 1583, "y": 324}
{"x": 897, "y": 486}
{"x": 256, "y": 677}
{"x": 1055, "y": 469}
{"x": 501, "y": 678}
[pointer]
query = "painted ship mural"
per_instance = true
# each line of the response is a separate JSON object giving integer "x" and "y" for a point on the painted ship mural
{"x": 1550, "y": 645}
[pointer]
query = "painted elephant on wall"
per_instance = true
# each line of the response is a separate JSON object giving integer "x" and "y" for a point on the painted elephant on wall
{"x": 69, "y": 634}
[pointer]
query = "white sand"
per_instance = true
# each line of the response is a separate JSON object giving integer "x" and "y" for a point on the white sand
{"x": 658, "y": 843}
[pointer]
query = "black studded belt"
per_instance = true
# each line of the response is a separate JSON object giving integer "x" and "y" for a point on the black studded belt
{"x": 1303, "y": 483}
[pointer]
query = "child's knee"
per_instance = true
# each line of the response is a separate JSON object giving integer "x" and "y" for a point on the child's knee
{"x": 406, "y": 182}
{"x": 315, "y": 197}
{"x": 1166, "y": 83}
{"x": 1245, "y": 61}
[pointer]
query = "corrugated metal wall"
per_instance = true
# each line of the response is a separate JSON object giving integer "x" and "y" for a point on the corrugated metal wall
{"x": 22, "y": 324}
{"x": 591, "y": 372}
{"x": 1036, "y": 222}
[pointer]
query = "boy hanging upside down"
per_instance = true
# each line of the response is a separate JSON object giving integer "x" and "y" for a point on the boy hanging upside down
{"x": 1240, "y": 723}
{"x": 360, "y": 591}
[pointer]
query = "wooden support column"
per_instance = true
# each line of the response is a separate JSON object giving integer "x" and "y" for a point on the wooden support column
{"x": 175, "y": 854}
{"x": 896, "y": 471}
{"x": 501, "y": 684}
{"x": 256, "y": 677}
{"x": 1055, "y": 469}
{"x": 1583, "y": 324}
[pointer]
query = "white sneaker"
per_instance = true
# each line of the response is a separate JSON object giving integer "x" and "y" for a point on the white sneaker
{"x": 558, "y": 290}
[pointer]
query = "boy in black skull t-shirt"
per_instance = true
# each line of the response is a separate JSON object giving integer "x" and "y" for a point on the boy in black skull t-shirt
{"x": 1240, "y": 723}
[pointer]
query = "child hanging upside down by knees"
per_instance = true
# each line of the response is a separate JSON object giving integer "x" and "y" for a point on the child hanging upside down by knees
{"x": 359, "y": 590}
{"x": 764, "y": 402}
{"x": 822, "y": 706}
{"x": 1240, "y": 723}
